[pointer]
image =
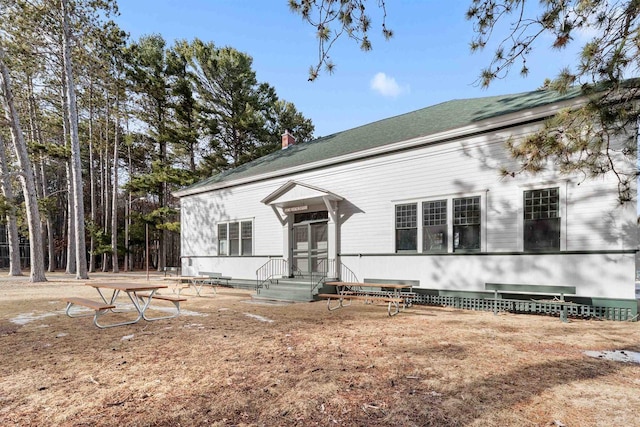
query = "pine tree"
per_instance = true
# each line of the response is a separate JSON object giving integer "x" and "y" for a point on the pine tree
{"x": 27, "y": 176}
{"x": 241, "y": 118}
{"x": 12, "y": 226}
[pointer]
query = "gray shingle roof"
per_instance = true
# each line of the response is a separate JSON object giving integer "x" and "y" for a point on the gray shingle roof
{"x": 423, "y": 122}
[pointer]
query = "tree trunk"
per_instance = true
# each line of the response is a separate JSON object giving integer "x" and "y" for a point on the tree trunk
{"x": 36, "y": 136}
{"x": 106, "y": 195}
{"x": 64, "y": 254}
{"x": 127, "y": 212}
{"x": 27, "y": 176}
{"x": 114, "y": 202}
{"x": 70, "y": 229}
{"x": 12, "y": 224}
{"x": 92, "y": 184}
{"x": 38, "y": 172}
{"x": 76, "y": 166}
{"x": 48, "y": 221}
{"x": 100, "y": 192}
{"x": 127, "y": 237}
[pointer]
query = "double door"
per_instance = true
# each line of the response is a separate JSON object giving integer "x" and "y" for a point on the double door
{"x": 310, "y": 247}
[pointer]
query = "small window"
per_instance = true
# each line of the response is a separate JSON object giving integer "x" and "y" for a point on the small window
{"x": 542, "y": 220}
{"x": 310, "y": 216}
{"x": 466, "y": 224}
{"x": 434, "y": 226}
{"x": 235, "y": 238}
{"x": 407, "y": 227}
{"x": 222, "y": 239}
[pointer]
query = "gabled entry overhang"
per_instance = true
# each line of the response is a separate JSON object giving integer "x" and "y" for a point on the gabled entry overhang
{"x": 295, "y": 197}
{"x": 294, "y": 194}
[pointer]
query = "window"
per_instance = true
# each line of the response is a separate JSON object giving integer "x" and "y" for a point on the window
{"x": 247, "y": 237}
{"x": 407, "y": 227}
{"x": 310, "y": 216}
{"x": 542, "y": 220}
{"x": 222, "y": 239}
{"x": 466, "y": 224}
{"x": 434, "y": 226}
{"x": 235, "y": 238}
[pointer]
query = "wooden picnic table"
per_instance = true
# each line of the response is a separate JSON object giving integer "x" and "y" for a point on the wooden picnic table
{"x": 211, "y": 279}
{"x": 392, "y": 293}
{"x": 180, "y": 282}
{"x": 140, "y": 295}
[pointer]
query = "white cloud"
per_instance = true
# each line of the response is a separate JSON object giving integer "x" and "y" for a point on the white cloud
{"x": 387, "y": 85}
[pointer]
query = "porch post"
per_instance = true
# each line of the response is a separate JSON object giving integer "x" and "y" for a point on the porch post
{"x": 332, "y": 235}
{"x": 286, "y": 242}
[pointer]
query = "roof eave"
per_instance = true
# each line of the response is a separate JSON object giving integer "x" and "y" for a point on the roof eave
{"x": 511, "y": 119}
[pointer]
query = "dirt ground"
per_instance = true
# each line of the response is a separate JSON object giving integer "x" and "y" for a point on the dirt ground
{"x": 229, "y": 361}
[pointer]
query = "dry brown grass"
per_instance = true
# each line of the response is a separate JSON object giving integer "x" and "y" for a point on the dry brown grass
{"x": 356, "y": 366}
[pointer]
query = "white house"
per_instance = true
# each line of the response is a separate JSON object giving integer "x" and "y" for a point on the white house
{"x": 419, "y": 197}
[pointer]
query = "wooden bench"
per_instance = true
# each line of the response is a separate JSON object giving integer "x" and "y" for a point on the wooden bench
{"x": 175, "y": 299}
{"x": 395, "y": 302}
{"x": 557, "y": 291}
{"x": 99, "y": 308}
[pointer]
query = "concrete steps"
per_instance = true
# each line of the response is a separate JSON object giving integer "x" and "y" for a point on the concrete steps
{"x": 243, "y": 284}
{"x": 291, "y": 289}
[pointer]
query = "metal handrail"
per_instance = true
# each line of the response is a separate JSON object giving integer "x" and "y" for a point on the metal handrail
{"x": 346, "y": 275}
{"x": 271, "y": 268}
{"x": 325, "y": 262}
{"x": 280, "y": 267}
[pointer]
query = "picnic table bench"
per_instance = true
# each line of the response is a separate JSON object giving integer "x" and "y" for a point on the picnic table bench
{"x": 557, "y": 291}
{"x": 348, "y": 291}
{"x": 175, "y": 300}
{"x": 99, "y": 307}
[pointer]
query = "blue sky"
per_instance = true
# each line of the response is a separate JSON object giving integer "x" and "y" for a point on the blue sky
{"x": 426, "y": 62}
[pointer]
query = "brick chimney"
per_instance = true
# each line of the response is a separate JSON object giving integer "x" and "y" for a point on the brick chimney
{"x": 287, "y": 139}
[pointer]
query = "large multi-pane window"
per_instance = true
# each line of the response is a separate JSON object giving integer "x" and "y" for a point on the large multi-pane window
{"x": 542, "y": 220}
{"x": 235, "y": 238}
{"x": 434, "y": 226}
{"x": 407, "y": 227}
{"x": 466, "y": 224}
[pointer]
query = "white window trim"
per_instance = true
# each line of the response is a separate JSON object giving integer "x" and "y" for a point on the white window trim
{"x": 562, "y": 190}
{"x": 483, "y": 194}
{"x": 239, "y": 221}
{"x": 449, "y": 204}
{"x": 418, "y": 226}
{"x": 483, "y": 218}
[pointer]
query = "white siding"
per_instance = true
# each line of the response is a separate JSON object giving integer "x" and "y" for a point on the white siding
{"x": 593, "y": 275}
{"x": 594, "y": 220}
{"x": 201, "y": 214}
